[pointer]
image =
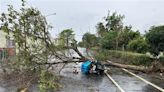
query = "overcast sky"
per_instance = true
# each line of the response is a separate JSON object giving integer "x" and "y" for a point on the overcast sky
{"x": 83, "y": 15}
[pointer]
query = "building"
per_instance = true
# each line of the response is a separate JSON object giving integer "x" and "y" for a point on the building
{"x": 7, "y": 45}
{"x": 2, "y": 39}
{"x": 6, "y": 42}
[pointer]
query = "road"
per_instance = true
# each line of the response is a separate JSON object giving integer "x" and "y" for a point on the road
{"x": 100, "y": 83}
{"x": 72, "y": 82}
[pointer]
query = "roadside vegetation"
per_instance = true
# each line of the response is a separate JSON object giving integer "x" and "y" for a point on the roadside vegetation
{"x": 118, "y": 42}
{"x": 35, "y": 48}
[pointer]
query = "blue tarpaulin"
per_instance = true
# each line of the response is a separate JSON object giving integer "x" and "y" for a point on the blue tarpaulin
{"x": 85, "y": 67}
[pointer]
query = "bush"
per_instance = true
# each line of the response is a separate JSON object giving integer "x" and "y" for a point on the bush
{"x": 108, "y": 41}
{"x": 101, "y": 55}
{"x": 138, "y": 45}
{"x": 155, "y": 38}
{"x": 124, "y": 57}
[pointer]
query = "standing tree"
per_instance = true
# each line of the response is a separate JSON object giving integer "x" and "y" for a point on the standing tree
{"x": 109, "y": 40}
{"x": 66, "y": 37}
{"x": 125, "y": 36}
{"x": 138, "y": 45}
{"x": 100, "y": 29}
{"x": 89, "y": 40}
{"x": 155, "y": 38}
{"x": 114, "y": 22}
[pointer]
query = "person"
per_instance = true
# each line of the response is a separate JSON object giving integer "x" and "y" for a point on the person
{"x": 75, "y": 69}
{"x": 93, "y": 66}
{"x": 97, "y": 67}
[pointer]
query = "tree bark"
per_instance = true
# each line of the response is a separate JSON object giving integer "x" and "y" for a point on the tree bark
{"x": 74, "y": 47}
{"x": 133, "y": 67}
{"x": 66, "y": 61}
{"x": 138, "y": 68}
{"x": 78, "y": 52}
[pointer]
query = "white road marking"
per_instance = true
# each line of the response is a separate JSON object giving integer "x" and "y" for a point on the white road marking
{"x": 114, "y": 82}
{"x": 155, "y": 86}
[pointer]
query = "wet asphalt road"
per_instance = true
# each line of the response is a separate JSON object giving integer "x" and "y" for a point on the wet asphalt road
{"x": 84, "y": 83}
{"x": 95, "y": 83}
{"x": 100, "y": 83}
{"x": 72, "y": 82}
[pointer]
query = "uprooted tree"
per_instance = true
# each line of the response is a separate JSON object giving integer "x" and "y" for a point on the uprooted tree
{"x": 29, "y": 29}
{"x": 34, "y": 48}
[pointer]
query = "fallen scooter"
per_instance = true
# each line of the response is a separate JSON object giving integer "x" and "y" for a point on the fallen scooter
{"x": 92, "y": 67}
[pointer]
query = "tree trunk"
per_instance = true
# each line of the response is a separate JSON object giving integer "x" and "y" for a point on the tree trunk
{"x": 137, "y": 68}
{"x": 132, "y": 67}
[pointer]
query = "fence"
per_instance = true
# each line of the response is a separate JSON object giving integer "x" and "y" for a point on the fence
{"x": 6, "y": 52}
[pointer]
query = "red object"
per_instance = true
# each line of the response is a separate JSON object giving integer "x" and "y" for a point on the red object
{"x": 10, "y": 51}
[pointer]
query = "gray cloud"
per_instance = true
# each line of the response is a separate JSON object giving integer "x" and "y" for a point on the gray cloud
{"x": 83, "y": 15}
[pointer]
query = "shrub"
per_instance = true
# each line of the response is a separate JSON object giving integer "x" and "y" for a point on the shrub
{"x": 138, "y": 45}
{"x": 108, "y": 41}
{"x": 124, "y": 57}
{"x": 155, "y": 38}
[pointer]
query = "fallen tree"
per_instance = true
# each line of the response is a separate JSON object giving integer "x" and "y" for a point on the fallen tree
{"x": 30, "y": 31}
{"x": 155, "y": 67}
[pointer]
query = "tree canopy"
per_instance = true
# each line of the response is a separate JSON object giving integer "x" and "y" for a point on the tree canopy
{"x": 89, "y": 40}
{"x": 108, "y": 41}
{"x": 113, "y": 34}
{"x": 155, "y": 38}
{"x": 101, "y": 30}
{"x": 138, "y": 45}
{"x": 30, "y": 30}
{"x": 66, "y": 37}
{"x": 125, "y": 36}
{"x": 114, "y": 22}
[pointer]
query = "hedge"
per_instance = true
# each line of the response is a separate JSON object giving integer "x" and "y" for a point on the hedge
{"x": 124, "y": 57}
